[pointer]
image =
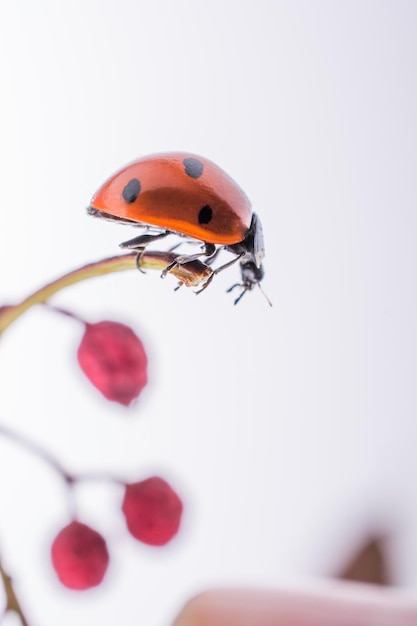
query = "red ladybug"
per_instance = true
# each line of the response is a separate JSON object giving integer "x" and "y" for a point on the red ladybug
{"x": 192, "y": 197}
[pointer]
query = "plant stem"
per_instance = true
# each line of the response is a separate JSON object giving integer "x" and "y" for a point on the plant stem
{"x": 190, "y": 274}
{"x": 12, "y": 603}
{"x": 38, "y": 451}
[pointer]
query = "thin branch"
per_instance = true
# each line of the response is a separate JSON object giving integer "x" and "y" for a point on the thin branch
{"x": 38, "y": 451}
{"x": 69, "y": 479}
{"x": 191, "y": 274}
{"x": 57, "y": 309}
{"x": 12, "y": 602}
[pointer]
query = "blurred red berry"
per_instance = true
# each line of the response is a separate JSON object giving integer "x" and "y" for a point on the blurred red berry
{"x": 79, "y": 556}
{"x": 152, "y": 510}
{"x": 114, "y": 360}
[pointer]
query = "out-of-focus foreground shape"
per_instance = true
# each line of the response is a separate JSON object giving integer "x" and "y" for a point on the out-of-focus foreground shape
{"x": 321, "y": 604}
{"x": 370, "y": 563}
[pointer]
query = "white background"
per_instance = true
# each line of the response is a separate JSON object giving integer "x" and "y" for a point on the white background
{"x": 288, "y": 431}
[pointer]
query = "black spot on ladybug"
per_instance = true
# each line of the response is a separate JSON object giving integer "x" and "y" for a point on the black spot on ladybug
{"x": 131, "y": 190}
{"x": 193, "y": 167}
{"x": 205, "y": 215}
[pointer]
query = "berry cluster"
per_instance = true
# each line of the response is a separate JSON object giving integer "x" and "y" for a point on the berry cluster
{"x": 153, "y": 513}
{"x": 114, "y": 360}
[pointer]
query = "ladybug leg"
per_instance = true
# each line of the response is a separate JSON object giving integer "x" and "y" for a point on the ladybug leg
{"x": 140, "y": 242}
{"x": 209, "y": 251}
{"x": 219, "y": 269}
{"x": 214, "y": 256}
{"x": 229, "y": 263}
{"x": 244, "y": 288}
{"x": 206, "y": 284}
{"x": 137, "y": 260}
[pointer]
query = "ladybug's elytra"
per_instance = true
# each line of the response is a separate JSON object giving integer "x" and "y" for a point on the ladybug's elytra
{"x": 192, "y": 197}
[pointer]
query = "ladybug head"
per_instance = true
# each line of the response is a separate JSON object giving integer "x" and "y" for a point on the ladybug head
{"x": 251, "y": 277}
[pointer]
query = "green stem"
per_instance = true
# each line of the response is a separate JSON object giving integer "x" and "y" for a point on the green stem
{"x": 191, "y": 274}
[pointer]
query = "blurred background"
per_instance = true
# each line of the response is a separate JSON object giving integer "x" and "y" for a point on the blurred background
{"x": 290, "y": 432}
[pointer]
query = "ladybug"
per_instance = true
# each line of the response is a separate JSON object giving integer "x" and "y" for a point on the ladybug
{"x": 190, "y": 196}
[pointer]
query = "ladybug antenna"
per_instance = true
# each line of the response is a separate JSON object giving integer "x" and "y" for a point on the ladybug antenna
{"x": 263, "y": 293}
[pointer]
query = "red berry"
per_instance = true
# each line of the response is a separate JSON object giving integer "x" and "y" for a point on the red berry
{"x": 114, "y": 360}
{"x": 79, "y": 556}
{"x": 152, "y": 510}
